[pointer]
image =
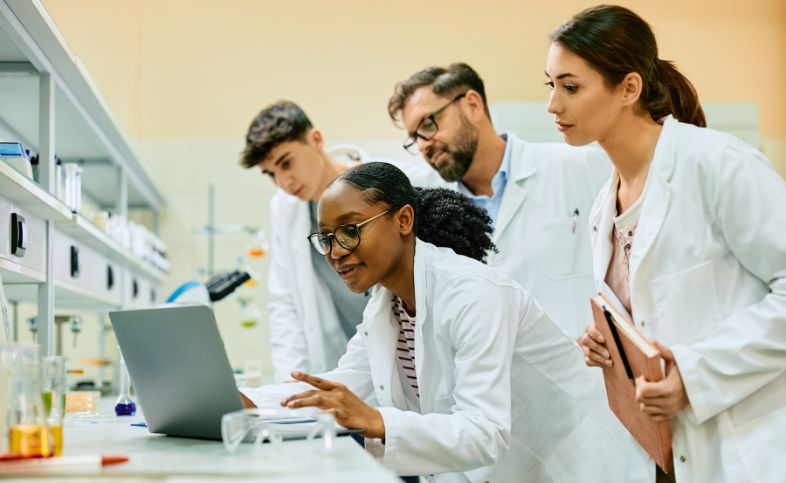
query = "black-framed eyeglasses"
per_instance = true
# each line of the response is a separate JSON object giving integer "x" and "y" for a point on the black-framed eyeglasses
{"x": 427, "y": 128}
{"x": 348, "y": 236}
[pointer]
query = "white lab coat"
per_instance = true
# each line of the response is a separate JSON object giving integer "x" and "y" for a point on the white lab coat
{"x": 504, "y": 394}
{"x": 542, "y": 243}
{"x": 708, "y": 280}
{"x": 305, "y": 332}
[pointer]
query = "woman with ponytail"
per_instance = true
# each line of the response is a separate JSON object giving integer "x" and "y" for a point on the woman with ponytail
{"x": 455, "y": 370}
{"x": 688, "y": 234}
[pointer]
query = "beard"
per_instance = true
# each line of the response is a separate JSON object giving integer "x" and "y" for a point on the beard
{"x": 455, "y": 160}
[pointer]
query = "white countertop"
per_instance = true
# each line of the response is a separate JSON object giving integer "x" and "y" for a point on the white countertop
{"x": 155, "y": 457}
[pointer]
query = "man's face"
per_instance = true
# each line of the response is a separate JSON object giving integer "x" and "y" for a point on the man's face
{"x": 295, "y": 168}
{"x": 451, "y": 149}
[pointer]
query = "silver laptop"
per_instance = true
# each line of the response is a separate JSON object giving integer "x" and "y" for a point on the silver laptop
{"x": 179, "y": 367}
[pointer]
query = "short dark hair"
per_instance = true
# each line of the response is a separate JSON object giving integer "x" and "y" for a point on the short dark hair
{"x": 279, "y": 122}
{"x": 615, "y": 42}
{"x": 444, "y": 81}
{"x": 443, "y": 217}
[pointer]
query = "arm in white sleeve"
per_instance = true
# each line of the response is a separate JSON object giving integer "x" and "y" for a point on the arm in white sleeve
{"x": 477, "y": 430}
{"x": 289, "y": 351}
{"x": 748, "y": 349}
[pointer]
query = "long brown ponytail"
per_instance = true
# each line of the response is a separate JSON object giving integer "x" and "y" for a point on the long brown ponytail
{"x": 615, "y": 41}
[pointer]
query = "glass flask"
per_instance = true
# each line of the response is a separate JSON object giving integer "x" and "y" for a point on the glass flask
{"x": 124, "y": 406}
{"x": 28, "y": 432}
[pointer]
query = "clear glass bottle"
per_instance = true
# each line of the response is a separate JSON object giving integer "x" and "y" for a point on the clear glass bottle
{"x": 53, "y": 385}
{"x": 28, "y": 433}
{"x": 125, "y": 406}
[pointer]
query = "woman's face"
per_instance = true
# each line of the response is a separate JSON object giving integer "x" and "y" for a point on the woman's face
{"x": 584, "y": 106}
{"x": 382, "y": 241}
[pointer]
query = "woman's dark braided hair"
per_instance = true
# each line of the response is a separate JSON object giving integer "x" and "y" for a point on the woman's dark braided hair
{"x": 443, "y": 217}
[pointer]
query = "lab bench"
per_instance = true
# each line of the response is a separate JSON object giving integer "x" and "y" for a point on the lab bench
{"x": 154, "y": 457}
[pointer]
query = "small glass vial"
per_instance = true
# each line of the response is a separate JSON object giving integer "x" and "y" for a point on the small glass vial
{"x": 124, "y": 406}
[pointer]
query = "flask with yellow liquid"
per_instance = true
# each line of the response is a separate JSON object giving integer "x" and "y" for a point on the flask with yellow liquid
{"x": 53, "y": 381}
{"x": 29, "y": 435}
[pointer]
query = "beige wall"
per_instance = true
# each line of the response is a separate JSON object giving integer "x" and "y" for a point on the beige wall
{"x": 185, "y": 69}
{"x": 186, "y": 77}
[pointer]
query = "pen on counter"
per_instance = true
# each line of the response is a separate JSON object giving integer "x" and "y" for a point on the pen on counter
{"x": 14, "y": 465}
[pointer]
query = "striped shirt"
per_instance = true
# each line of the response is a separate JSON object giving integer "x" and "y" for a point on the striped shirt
{"x": 405, "y": 348}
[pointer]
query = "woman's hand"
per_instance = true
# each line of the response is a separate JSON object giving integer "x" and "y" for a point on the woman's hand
{"x": 662, "y": 400}
{"x": 349, "y": 410}
{"x": 593, "y": 344}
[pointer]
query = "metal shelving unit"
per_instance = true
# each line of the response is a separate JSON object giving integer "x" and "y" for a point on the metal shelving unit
{"x": 50, "y": 104}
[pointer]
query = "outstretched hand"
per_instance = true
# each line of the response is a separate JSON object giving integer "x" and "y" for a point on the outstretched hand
{"x": 349, "y": 410}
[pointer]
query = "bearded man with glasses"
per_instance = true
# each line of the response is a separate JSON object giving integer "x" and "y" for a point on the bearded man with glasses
{"x": 538, "y": 195}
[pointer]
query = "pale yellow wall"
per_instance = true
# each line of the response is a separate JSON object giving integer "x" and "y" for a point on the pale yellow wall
{"x": 204, "y": 68}
{"x": 186, "y": 77}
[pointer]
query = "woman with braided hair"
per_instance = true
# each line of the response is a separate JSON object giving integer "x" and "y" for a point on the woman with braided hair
{"x": 455, "y": 370}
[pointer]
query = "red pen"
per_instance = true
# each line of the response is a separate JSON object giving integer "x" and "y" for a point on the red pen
{"x": 16, "y": 465}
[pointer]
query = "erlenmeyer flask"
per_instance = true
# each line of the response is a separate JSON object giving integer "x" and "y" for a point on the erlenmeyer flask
{"x": 29, "y": 434}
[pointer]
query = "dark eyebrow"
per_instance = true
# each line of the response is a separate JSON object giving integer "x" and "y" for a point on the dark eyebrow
{"x": 561, "y": 76}
{"x": 342, "y": 220}
{"x": 417, "y": 126}
{"x": 347, "y": 216}
{"x": 281, "y": 158}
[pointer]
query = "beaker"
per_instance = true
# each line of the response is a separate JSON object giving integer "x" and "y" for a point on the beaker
{"x": 53, "y": 389}
{"x": 28, "y": 435}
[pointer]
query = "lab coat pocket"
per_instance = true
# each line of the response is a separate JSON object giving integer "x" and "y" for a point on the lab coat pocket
{"x": 757, "y": 439}
{"x": 769, "y": 400}
{"x": 686, "y": 304}
{"x": 563, "y": 248}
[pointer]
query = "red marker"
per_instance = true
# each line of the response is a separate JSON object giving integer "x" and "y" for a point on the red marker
{"x": 12, "y": 464}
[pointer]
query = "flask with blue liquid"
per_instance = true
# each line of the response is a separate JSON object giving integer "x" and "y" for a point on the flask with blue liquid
{"x": 124, "y": 406}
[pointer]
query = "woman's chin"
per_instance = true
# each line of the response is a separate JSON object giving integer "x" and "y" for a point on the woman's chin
{"x": 357, "y": 284}
{"x": 576, "y": 141}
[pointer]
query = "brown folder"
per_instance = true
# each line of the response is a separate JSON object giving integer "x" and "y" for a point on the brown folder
{"x": 632, "y": 356}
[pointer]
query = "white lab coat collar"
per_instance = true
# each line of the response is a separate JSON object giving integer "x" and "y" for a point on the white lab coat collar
{"x": 383, "y": 328}
{"x": 657, "y": 194}
{"x": 521, "y": 168}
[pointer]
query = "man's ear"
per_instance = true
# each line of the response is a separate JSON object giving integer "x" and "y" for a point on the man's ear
{"x": 314, "y": 137}
{"x": 475, "y": 106}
